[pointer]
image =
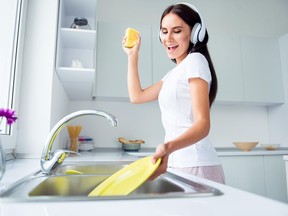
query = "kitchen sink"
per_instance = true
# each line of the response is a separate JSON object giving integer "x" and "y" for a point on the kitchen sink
{"x": 82, "y": 185}
{"x": 62, "y": 187}
{"x": 97, "y": 169}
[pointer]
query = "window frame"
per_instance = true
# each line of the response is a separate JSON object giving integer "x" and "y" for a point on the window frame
{"x": 9, "y": 137}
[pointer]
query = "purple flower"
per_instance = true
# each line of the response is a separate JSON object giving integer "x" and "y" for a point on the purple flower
{"x": 8, "y": 114}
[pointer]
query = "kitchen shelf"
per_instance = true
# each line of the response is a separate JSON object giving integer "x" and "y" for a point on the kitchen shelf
{"x": 78, "y": 91}
{"x": 78, "y": 38}
{"x": 76, "y": 45}
{"x": 77, "y": 75}
{"x": 69, "y": 9}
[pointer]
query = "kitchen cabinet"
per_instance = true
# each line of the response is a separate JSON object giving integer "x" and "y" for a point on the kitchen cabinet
{"x": 275, "y": 177}
{"x": 259, "y": 174}
{"x": 111, "y": 78}
{"x": 76, "y": 45}
{"x": 225, "y": 52}
{"x": 248, "y": 69}
{"x": 161, "y": 64}
{"x": 246, "y": 173}
{"x": 263, "y": 80}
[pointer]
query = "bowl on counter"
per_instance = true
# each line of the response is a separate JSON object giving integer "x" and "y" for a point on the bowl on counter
{"x": 131, "y": 146}
{"x": 245, "y": 146}
{"x": 270, "y": 146}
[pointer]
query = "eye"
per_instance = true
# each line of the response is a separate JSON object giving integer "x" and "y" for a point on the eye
{"x": 163, "y": 31}
{"x": 177, "y": 31}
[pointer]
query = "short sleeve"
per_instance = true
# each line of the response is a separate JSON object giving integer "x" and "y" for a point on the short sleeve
{"x": 196, "y": 66}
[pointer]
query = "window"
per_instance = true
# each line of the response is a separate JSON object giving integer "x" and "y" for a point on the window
{"x": 10, "y": 12}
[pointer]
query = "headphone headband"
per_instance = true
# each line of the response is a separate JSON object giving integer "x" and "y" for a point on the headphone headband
{"x": 198, "y": 30}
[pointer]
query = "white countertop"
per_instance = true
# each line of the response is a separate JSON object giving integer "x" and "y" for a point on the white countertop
{"x": 234, "y": 202}
{"x": 254, "y": 152}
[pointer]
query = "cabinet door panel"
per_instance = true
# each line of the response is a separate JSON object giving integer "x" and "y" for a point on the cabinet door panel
{"x": 262, "y": 70}
{"x": 246, "y": 173}
{"x": 275, "y": 177}
{"x": 226, "y": 56}
{"x": 161, "y": 63}
{"x": 111, "y": 73}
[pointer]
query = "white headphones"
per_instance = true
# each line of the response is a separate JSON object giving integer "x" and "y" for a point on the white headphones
{"x": 198, "y": 31}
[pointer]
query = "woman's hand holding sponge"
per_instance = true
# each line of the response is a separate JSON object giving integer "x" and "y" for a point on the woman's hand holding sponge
{"x": 131, "y": 37}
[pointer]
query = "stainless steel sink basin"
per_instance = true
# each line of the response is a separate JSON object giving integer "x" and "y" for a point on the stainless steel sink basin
{"x": 82, "y": 185}
{"x": 61, "y": 187}
{"x": 96, "y": 169}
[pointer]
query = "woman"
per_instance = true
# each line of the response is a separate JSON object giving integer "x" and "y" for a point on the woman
{"x": 185, "y": 94}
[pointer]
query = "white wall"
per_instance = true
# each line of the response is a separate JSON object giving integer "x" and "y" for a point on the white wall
{"x": 59, "y": 107}
{"x": 229, "y": 123}
{"x": 134, "y": 122}
{"x": 37, "y": 75}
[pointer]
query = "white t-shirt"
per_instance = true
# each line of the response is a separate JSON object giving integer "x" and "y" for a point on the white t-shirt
{"x": 176, "y": 112}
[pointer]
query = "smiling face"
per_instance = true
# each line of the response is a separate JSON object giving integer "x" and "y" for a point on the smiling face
{"x": 175, "y": 37}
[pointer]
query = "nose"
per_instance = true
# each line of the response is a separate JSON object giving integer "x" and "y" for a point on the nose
{"x": 168, "y": 37}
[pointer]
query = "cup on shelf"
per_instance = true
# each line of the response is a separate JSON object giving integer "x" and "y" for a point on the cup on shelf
{"x": 76, "y": 63}
{"x": 80, "y": 23}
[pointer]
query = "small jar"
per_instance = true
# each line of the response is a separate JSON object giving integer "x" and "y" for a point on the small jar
{"x": 80, "y": 23}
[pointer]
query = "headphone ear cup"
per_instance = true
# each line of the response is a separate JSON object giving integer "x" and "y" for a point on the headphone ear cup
{"x": 195, "y": 33}
{"x": 160, "y": 35}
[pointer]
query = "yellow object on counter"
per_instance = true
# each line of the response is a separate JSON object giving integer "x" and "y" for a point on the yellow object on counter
{"x": 73, "y": 172}
{"x": 131, "y": 37}
{"x": 126, "y": 180}
{"x": 74, "y": 132}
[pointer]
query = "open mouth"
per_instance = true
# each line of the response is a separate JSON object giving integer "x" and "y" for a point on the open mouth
{"x": 172, "y": 48}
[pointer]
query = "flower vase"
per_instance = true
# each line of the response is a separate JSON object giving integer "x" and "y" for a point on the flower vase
{"x": 2, "y": 160}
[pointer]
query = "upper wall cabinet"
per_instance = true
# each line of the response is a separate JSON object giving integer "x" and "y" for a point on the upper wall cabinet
{"x": 161, "y": 64}
{"x": 226, "y": 56}
{"x": 248, "y": 69}
{"x": 76, "y": 47}
{"x": 262, "y": 70}
{"x": 111, "y": 78}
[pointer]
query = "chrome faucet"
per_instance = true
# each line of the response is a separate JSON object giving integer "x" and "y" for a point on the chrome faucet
{"x": 51, "y": 161}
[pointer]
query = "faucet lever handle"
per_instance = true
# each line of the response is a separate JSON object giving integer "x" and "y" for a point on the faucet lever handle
{"x": 61, "y": 154}
{"x": 69, "y": 151}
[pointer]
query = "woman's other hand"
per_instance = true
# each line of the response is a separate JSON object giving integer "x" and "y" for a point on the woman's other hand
{"x": 161, "y": 152}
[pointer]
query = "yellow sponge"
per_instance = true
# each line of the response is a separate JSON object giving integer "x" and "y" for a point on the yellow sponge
{"x": 131, "y": 37}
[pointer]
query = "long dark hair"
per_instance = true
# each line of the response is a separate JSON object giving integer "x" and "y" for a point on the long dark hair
{"x": 191, "y": 17}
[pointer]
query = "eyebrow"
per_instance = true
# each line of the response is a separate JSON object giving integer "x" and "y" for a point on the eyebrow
{"x": 175, "y": 27}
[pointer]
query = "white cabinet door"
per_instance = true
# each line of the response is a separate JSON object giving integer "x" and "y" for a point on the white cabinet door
{"x": 275, "y": 177}
{"x": 245, "y": 172}
{"x": 111, "y": 72}
{"x": 226, "y": 56}
{"x": 161, "y": 63}
{"x": 263, "y": 81}
{"x": 248, "y": 69}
